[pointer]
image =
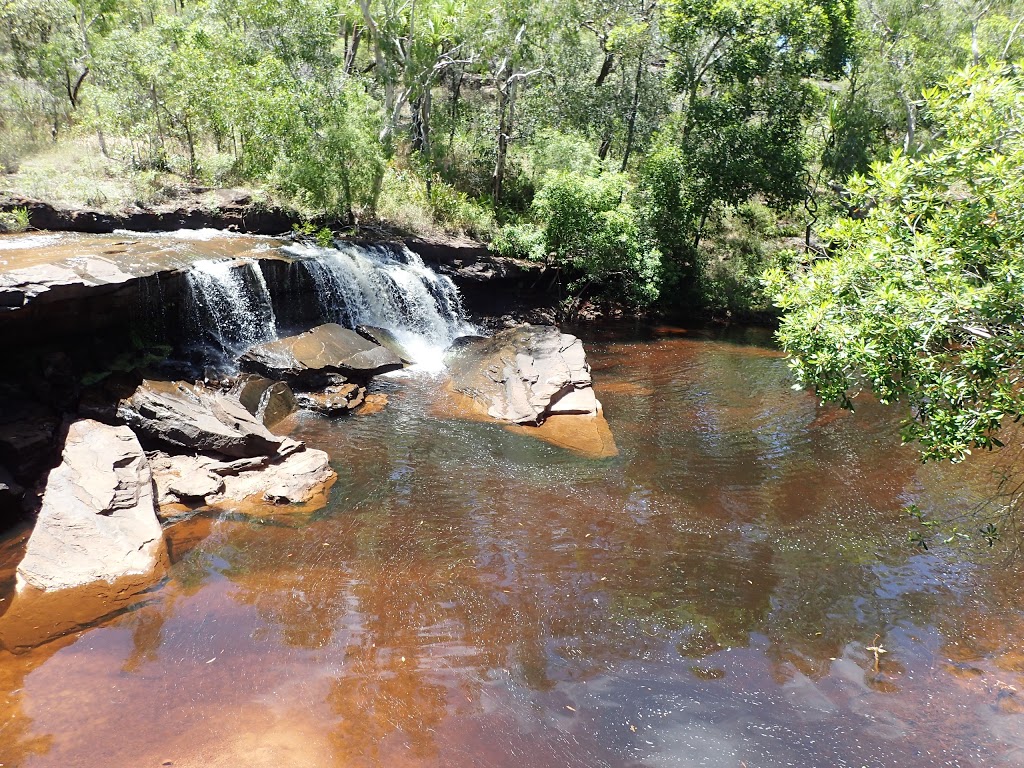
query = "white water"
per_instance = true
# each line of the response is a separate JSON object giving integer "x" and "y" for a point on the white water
{"x": 229, "y": 302}
{"x": 230, "y": 305}
{"x": 388, "y": 287}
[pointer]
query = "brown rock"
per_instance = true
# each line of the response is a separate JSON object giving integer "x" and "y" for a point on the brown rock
{"x": 309, "y": 360}
{"x": 519, "y": 375}
{"x": 334, "y": 400}
{"x": 194, "y": 419}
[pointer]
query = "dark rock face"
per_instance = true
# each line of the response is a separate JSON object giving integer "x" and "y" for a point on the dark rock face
{"x": 523, "y": 375}
{"x": 266, "y": 399}
{"x": 234, "y": 211}
{"x": 193, "y": 419}
{"x": 318, "y": 357}
{"x": 28, "y": 433}
{"x": 11, "y": 495}
{"x": 98, "y": 519}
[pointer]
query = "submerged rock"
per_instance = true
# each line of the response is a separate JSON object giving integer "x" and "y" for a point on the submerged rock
{"x": 194, "y": 419}
{"x": 317, "y": 357}
{"x": 521, "y": 375}
{"x": 333, "y": 400}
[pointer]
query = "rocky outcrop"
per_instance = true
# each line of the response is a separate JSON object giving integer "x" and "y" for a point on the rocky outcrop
{"x": 523, "y": 375}
{"x": 98, "y": 518}
{"x": 193, "y": 419}
{"x": 328, "y": 354}
{"x": 300, "y": 476}
{"x": 233, "y": 209}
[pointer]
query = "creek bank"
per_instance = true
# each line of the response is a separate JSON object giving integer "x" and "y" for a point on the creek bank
{"x": 194, "y": 437}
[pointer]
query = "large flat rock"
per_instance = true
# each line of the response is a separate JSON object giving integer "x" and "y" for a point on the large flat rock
{"x": 98, "y": 518}
{"x": 193, "y": 419}
{"x": 311, "y": 359}
{"x": 520, "y": 375}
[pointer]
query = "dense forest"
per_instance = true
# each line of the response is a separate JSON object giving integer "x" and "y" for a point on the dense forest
{"x": 664, "y": 154}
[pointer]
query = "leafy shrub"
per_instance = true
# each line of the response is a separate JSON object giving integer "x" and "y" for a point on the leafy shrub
{"x": 520, "y": 241}
{"x": 594, "y": 231}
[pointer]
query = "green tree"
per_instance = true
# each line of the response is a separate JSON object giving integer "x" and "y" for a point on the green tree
{"x": 599, "y": 237}
{"x": 921, "y": 299}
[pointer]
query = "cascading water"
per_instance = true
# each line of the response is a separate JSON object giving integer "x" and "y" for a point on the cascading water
{"x": 229, "y": 305}
{"x": 389, "y": 287}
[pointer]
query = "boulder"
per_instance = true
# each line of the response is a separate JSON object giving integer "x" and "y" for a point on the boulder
{"x": 298, "y": 476}
{"x": 98, "y": 518}
{"x": 334, "y": 400}
{"x": 194, "y": 419}
{"x": 520, "y": 375}
{"x": 315, "y": 358}
{"x": 386, "y": 339}
{"x": 268, "y": 400}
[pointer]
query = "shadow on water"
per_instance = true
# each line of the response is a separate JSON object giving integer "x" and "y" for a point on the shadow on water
{"x": 709, "y": 597}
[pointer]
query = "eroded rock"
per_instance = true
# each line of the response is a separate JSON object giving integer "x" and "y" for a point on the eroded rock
{"x": 98, "y": 518}
{"x": 317, "y": 357}
{"x": 298, "y": 476}
{"x": 268, "y": 400}
{"x": 194, "y": 419}
{"x": 334, "y": 399}
{"x": 523, "y": 375}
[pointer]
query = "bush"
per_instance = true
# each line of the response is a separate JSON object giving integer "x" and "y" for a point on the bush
{"x": 600, "y": 237}
{"x": 520, "y": 241}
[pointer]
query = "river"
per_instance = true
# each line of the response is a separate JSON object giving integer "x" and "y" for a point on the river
{"x": 475, "y": 597}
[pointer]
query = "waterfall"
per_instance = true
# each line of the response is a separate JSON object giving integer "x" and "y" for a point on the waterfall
{"x": 389, "y": 287}
{"x": 229, "y": 306}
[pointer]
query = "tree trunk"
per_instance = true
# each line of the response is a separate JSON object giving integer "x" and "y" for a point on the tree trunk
{"x": 631, "y": 127}
{"x": 911, "y": 109}
{"x": 506, "y": 116}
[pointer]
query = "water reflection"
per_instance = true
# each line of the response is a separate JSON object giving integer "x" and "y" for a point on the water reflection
{"x": 475, "y": 597}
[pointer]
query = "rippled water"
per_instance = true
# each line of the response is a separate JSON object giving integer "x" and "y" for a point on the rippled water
{"x": 473, "y": 597}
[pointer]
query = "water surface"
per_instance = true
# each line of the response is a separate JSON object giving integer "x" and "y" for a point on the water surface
{"x": 473, "y": 597}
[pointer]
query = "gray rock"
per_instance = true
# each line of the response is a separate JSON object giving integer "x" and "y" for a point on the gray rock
{"x": 387, "y": 339}
{"x": 195, "y": 419}
{"x": 309, "y": 360}
{"x": 522, "y": 375}
{"x": 98, "y": 518}
{"x": 266, "y": 399}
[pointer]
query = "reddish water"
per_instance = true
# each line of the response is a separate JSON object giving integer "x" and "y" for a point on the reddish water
{"x": 473, "y": 597}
